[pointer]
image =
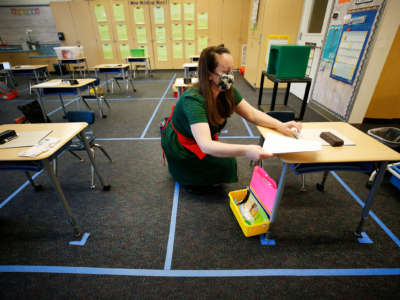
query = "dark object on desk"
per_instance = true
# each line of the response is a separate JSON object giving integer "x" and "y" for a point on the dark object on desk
{"x": 187, "y": 80}
{"x": 332, "y": 139}
{"x": 276, "y": 81}
{"x": 7, "y": 135}
{"x": 73, "y": 81}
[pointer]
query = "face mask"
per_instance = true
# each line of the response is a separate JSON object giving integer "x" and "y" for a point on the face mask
{"x": 225, "y": 81}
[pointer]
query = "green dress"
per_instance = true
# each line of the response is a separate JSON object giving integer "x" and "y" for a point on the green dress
{"x": 184, "y": 166}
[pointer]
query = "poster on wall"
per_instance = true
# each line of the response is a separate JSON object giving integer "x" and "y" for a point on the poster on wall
{"x": 332, "y": 42}
{"x": 351, "y": 46}
{"x": 275, "y": 39}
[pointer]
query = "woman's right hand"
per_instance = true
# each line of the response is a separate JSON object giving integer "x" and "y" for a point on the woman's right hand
{"x": 256, "y": 153}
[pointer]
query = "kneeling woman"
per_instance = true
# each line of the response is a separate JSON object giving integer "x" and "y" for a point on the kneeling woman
{"x": 190, "y": 139}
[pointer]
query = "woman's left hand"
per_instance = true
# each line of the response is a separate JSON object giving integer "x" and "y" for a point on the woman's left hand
{"x": 290, "y": 128}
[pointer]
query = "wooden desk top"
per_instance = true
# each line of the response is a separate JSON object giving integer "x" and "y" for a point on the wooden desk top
{"x": 137, "y": 57}
{"x": 57, "y": 83}
{"x": 28, "y": 67}
{"x": 64, "y": 131}
{"x": 191, "y": 65}
{"x": 111, "y": 66}
{"x": 180, "y": 83}
{"x": 366, "y": 148}
{"x": 71, "y": 59}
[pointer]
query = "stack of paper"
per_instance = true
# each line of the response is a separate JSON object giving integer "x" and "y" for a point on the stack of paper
{"x": 277, "y": 144}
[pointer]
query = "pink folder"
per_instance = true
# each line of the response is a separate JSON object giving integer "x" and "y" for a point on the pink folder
{"x": 264, "y": 188}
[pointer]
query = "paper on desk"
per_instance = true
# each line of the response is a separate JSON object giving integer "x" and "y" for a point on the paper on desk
{"x": 277, "y": 144}
{"x": 43, "y": 146}
{"x": 26, "y": 139}
{"x": 314, "y": 134}
{"x": 47, "y": 84}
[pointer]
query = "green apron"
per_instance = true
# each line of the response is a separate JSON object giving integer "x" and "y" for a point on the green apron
{"x": 184, "y": 166}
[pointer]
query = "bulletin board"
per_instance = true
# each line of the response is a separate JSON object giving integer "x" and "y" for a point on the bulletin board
{"x": 352, "y": 44}
{"x": 345, "y": 54}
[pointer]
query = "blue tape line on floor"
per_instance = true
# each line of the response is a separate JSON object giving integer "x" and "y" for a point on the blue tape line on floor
{"x": 158, "y": 106}
{"x": 371, "y": 213}
{"x": 201, "y": 273}
{"x": 247, "y": 126}
{"x": 172, "y": 226}
{"x": 9, "y": 198}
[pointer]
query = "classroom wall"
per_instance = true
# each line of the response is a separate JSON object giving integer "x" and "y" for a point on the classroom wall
{"x": 280, "y": 17}
{"x": 376, "y": 83}
{"x": 14, "y": 21}
{"x": 225, "y": 22}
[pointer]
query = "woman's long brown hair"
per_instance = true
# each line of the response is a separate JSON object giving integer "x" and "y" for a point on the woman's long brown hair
{"x": 218, "y": 110}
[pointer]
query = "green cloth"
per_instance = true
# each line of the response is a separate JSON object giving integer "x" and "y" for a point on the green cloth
{"x": 184, "y": 166}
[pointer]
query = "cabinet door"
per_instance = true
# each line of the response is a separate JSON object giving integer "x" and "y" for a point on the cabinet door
{"x": 85, "y": 32}
{"x": 140, "y": 21}
{"x": 122, "y": 29}
{"x": 161, "y": 36}
{"x": 254, "y": 47}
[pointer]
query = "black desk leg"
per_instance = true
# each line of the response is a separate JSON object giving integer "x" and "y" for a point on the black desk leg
{"x": 261, "y": 88}
{"x": 287, "y": 93}
{"x": 368, "y": 203}
{"x": 61, "y": 196}
{"x": 304, "y": 104}
{"x": 275, "y": 90}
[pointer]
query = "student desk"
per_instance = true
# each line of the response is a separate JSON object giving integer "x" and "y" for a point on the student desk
{"x": 62, "y": 87}
{"x": 135, "y": 61}
{"x": 120, "y": 69}
{"x": 65, "y": 132}
{"x": 366, "y": 149}
{"x": 76, "y": 61}
{"x": 276, "y": 81}
{"x": 190, "y": 68}
{"x": 29, "y": 70}
{"x": 181, "y": 86}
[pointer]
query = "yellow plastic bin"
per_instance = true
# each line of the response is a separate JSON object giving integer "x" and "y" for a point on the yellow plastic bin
{"x": 248, "y": 230}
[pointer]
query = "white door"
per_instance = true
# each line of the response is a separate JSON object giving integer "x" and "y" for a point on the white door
{"x": 314, "y": 23}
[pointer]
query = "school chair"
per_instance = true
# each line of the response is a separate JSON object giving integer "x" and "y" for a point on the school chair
{"x": 100, "y": 97}
{"x": 78, "y": 145}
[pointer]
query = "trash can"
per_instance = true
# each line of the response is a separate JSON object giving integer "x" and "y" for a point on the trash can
{"x": 390, "y": 136}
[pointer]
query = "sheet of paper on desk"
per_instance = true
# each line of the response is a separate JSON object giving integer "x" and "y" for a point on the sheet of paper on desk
{"x": 26, "y": 139}
{"x": 47, "y": 84}
{"x": 313, "y": 134}
{"x": 277, "y": 144}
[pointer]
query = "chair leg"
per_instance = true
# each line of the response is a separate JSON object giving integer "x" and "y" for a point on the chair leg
{"x": 76, "y": 155}
{"x": 37, "y": 187}
{"x": 104, "y": 151}
{"x": 106, "y": 102}
{"x": 86, "y": 103}
{"x": 92, "y": 185}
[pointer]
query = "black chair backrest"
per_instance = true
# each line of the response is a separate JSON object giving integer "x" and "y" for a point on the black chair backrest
{"x": 33, "y": 112}
{"x": 283, "y": 116}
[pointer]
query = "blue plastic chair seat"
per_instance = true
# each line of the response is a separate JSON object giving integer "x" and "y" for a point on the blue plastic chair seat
{"x": 362, "y": 167}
